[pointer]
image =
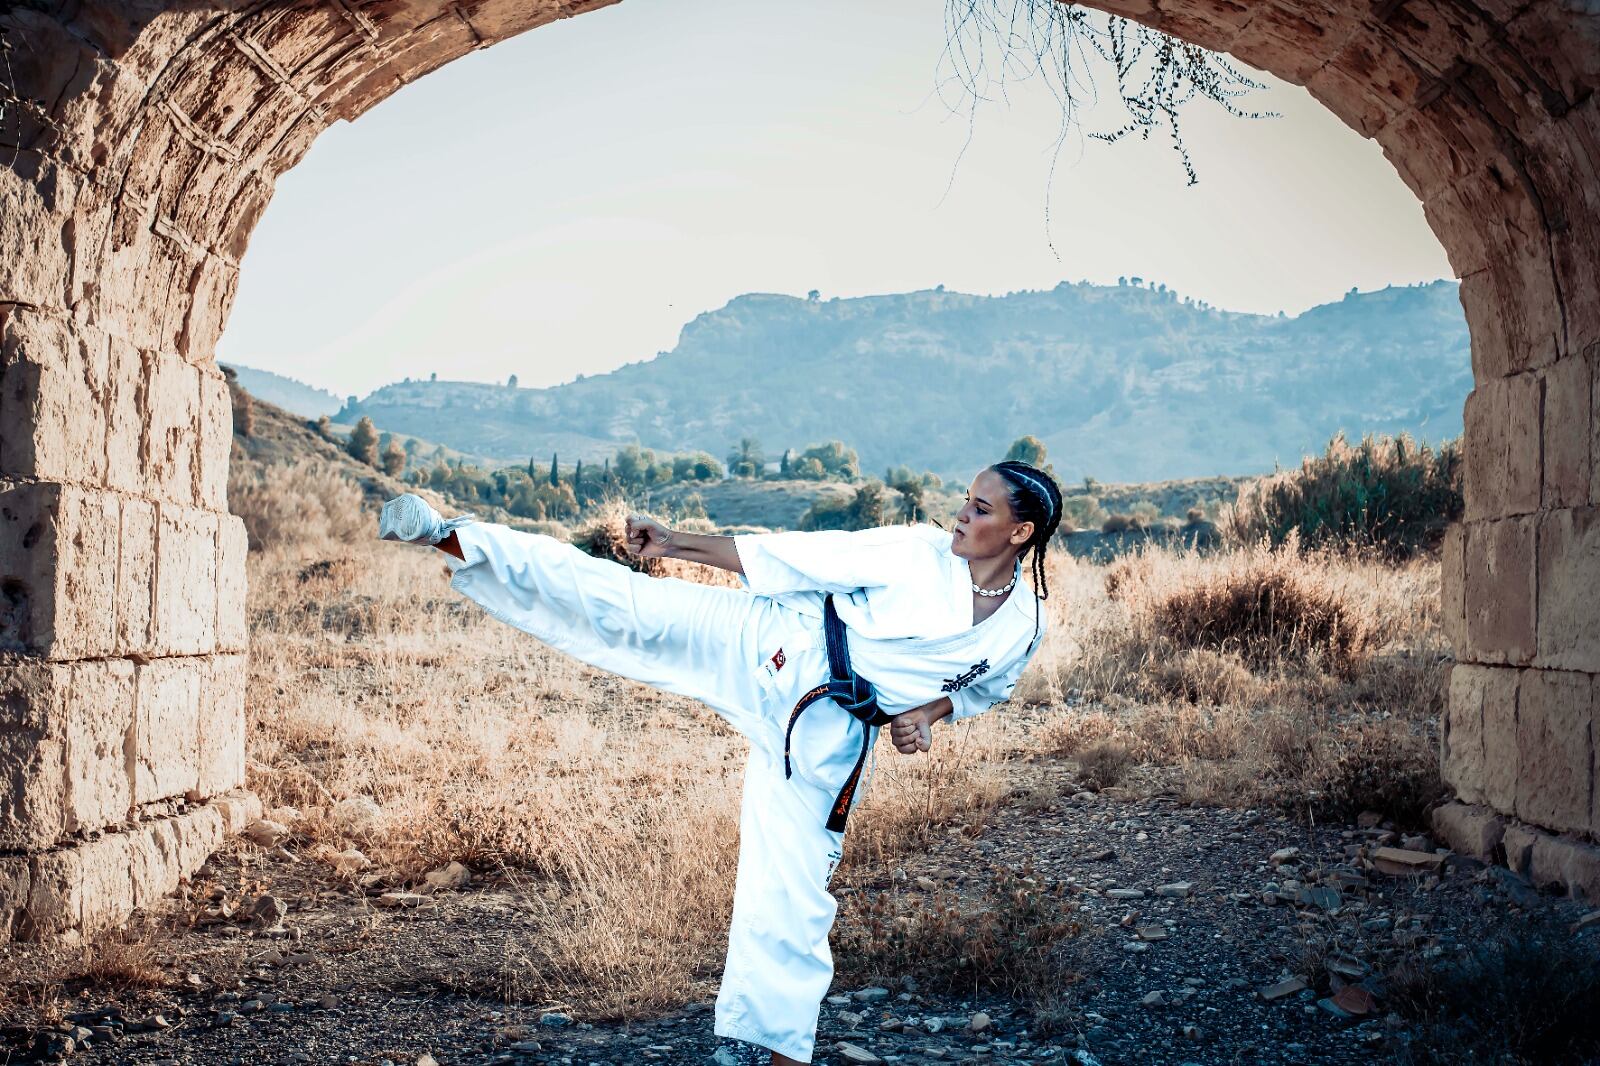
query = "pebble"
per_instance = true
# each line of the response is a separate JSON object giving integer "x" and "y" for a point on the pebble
{"x": 979, "y": 1022}
{"x": 1176, "y": 889}
{"x": 555, "y": 1019}
{"x": 1125, "y": 893}
{"x": 872, "y": 995}
{"x": 852, "y": 1053}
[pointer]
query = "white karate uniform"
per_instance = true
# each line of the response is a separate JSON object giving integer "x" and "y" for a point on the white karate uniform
{"x": 906, "y": 601}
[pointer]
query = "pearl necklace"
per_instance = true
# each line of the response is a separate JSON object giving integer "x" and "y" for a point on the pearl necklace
{"x": 1000, "y": 591}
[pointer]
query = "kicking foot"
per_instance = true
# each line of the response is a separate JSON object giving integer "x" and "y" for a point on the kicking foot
{"x": 410, "y": 518}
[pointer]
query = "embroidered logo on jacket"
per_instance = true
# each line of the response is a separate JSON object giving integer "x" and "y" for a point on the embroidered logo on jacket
{"x": 778, "y": 660}
{"x": 965, "y": 677}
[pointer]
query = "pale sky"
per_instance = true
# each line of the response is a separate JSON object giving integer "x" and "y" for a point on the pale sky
{"x": 566, "y": 201}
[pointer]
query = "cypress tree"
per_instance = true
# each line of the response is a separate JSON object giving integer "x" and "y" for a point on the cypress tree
{"x": 555, "y": 479}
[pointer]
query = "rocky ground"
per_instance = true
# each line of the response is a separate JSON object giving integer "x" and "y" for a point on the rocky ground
{"x": 1212, "y": 936}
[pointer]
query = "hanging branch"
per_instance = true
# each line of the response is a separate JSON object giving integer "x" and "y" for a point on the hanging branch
{"x": 1156, "y": 75}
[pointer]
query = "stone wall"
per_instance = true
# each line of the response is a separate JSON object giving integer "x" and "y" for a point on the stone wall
{"x": 141, "y": 142}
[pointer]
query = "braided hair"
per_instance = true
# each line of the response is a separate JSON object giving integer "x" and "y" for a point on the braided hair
{"x": 1034, "y": 497}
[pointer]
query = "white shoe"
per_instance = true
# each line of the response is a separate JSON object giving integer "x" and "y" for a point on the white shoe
{"x": 412, "y": 519}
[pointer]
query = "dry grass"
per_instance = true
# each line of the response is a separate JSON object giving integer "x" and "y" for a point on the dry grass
{"x": 611, "y": 809}
{"x": 306, "y": 500}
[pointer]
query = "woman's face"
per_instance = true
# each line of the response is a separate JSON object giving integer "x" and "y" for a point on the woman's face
{"x": 985, "y": 526}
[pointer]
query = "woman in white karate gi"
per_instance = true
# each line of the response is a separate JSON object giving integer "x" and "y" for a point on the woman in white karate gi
{"x": 941, "y": 623}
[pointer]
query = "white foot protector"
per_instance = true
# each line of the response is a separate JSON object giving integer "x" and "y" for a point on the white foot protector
{"x": 412, "y": 519}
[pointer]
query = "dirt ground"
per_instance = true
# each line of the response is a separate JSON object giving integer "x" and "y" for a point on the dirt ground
{"x": 1176, "y": 976}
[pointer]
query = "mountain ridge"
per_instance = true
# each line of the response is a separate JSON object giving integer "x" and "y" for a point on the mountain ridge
{"x": 1126, "y": 383}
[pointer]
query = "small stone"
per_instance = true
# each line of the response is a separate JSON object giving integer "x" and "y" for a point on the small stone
{"x": 1346, "y": 966}
{"x": 1192, "y": 1032}
{"x": 850, "y": 1019}
{"x": 267, "y": 909}
{"x": 351, "y": 861}
{"x": 979, "y": 1022}
{"x": 839, "y": 1000}
{"x": 1124, "y": 893}
{"x": 1402, "y": 862}
{"x": 1283, "y": 855}
{"x": 1135, "y": 946}
{"x": 427, "y": 1060}
{"x": 1287, "y": 987}
{"x": 1154, "y": 999}
{"x": 927, "y": 884}
{"x": 725, "y": 1057}
{"x": 1369, "y": 819}
{"x": 356, "y": 814}
{"x": 555, "y": 1019}
{"x": 329, "y": 1002}
{"x": 852, "y": 1053}
{"x": 402, "y": 900}
{"x": 1592, "y": 918}
{"x": 453, "y": 876}
{"x": 265, "y": 832}
{"x": 1175, "y": 890}
{"x": 1152, "y": 931}
{"x": 872, "y": 994}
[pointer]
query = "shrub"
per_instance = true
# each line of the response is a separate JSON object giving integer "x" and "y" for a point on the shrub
{"x": 1386, "y": 493}
{"x": 1524, "y": 997}
{"x": 363, "y": 443}
{"x": 307, "y": 501}
{"x": 1019, "y": 942}
{"x": 1268, "y": 606}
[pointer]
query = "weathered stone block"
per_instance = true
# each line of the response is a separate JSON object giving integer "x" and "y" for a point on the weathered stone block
{"x": 55, "y": 897}
{"x": 1518, "y": 844}
{"x": 124, "y": 418}
{"x": 1524, "y": 419}
{"x": 215, "y": 286}
{"x": 171, "y": 411}
{"x": 58, "y": 570}
{"x": 136, "y": 578}
{"x": 1568, "y": 433}
{"x": 186, "y": 581}
{"x": 166, "y": 750}
{"x": 1461, "y": 755}
{"x": 1593, "y": 355}
{"x": 1453, "y": 587}
{"x": 1501, "y": 768}
{"x": 33, "y": 757}
{"x": 1554, "y": 753}
{"x": 222, "y": 728}
{"x": 15, "y": 879}
{"x": 100, "y": 718}
{"x": 238, "y": 809}
{"x": 53, "y": 387}
{"x": 1569, "y": 589}
{"x": 1471, "y": 830}
{"x": 1566, "y": 865}
{"x": 216, "y": 440}
{"x": 105, "y": 891}
{"x": 233, "y": 543}
{"x": 36, "y": 194}
{"x": 1483, "y": 450}
{"x": 1500, "y": 579}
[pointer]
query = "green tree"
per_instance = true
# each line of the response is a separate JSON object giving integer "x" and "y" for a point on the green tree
{"x": 839, "y": 461}
{"x": 555, "y": 476}
{"x": 394, "y": 459}
{"x": 363, "y": 443}
{"x": 1028, "y": 449}
{"x": 747, "y": 460}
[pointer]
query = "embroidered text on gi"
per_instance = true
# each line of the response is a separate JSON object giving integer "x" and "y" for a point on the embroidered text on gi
{"x": 966, "y": 677}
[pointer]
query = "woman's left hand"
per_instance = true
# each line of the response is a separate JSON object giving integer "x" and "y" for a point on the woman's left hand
{"x": 912, "y": 731}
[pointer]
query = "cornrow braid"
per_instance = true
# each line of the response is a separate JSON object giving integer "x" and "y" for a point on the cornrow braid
{"x": 1034, "y": 497}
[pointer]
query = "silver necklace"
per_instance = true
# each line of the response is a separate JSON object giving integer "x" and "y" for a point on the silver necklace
{"x": 1000, "y": 591}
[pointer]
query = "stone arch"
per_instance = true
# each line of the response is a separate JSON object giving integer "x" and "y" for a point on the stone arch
{"x": 146, "y": 147}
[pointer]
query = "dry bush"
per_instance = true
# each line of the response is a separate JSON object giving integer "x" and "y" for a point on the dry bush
{"x": 1018, "y": 940}
{"x": 119, "y": 962}
{"x": 306, "y": 502}
{"x": 1104, "y": 764}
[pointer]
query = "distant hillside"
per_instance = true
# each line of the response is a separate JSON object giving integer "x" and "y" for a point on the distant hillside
{"x": 1123, "y": 383}
{"x": 293, "y": 396}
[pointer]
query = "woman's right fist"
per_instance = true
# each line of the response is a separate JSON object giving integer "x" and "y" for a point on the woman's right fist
{"x": 647, "y": 537}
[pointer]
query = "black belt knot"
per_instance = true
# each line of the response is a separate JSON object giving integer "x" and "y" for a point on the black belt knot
{"x": 850, "y": 691}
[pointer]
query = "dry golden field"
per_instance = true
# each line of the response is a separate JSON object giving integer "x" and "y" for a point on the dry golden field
{"x": 403, "y": 724}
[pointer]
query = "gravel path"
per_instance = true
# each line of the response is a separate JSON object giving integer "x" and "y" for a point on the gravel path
{"x": 1173, "y": 975}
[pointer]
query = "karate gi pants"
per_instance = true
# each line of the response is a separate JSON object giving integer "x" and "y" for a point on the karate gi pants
{"x": 719, "y": 646}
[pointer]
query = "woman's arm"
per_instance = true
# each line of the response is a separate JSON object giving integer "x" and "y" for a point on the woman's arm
{"x": 651, "y": 539}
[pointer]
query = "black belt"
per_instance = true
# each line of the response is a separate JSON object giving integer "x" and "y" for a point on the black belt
{"x": 852, "y": 692}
